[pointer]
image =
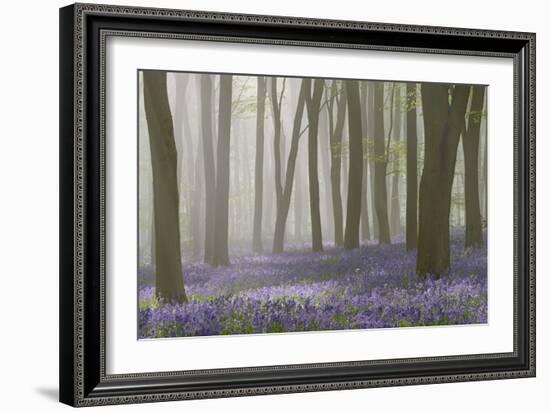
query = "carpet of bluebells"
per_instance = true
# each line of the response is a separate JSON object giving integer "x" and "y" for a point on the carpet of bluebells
{"x": 371, "y": 287}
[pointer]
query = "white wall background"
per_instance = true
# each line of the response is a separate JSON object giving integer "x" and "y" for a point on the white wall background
{"x": 29, "y": 205}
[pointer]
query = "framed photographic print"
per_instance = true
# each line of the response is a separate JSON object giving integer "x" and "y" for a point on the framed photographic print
{"x": 261, "y": 204}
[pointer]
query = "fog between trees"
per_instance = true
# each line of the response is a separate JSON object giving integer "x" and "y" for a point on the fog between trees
{"x": 232, "y": 165}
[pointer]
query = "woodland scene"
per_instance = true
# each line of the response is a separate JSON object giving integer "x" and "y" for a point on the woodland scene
{"x": 281, "y": 204}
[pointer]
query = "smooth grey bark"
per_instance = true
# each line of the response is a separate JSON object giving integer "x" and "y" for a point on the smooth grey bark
{"x": 324, "y": 145}
{"x": 179, "y": 120}
{"x": 169, "y": 276}
{"x": 209, "y": 168}
{"x": 372, "y": 157}
{"x": 484, "y": 180}
{"x": 412, "y": 165}
{"x": 380, "y": 189}
{"x": 313, "y": 104}
{"x": 353, "y": 214}
{"x": 335, "y": 134}
{"x": 470, "y": 146}
{"x": 443, "y": 124}
{"x": 282, "y": 211}
{"x": 186, "y": 169}
{"x": 235, "y": 175}
{"x": 197, "y": 211}
{"x": 299, "y": 199}
{"x": 221, "y": 251}
{"x": 395, "y": 216}
{"x": 365, "y": 227}
{"x": 276, "y": 108}
{"x": 259, "y": 166}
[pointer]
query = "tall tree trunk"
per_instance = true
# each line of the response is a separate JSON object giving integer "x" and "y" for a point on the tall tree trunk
{"x": 209, "y": 167}
{"x": 336, "y": 159}
{"x": 169, "y": 274}
{"x": 395, "y": 216}
{"x": 282, "y": 211}
{"x": 185, "y": 156}
{"x": 221, "y": 250}
{"x": 443, "y": 124}
{"x": 236, "y": 229}
{"x": 276, "y": 108}
{"x": 197, "y": 211}
{"x": 353, "y": 214}
{"x": 372, "y": 160}
{"x": 412, "y": 180}
{"x": 313, "y": 104}
{"x": 484, "y": 166}
{"x": 470, "y": 145}
{"x": 380, "y": 189}
{"x": 298, "y": 205}
{"x": 324, "y": 144}
{"x": 259, "y": 167}
{"x": 365, "y": 228}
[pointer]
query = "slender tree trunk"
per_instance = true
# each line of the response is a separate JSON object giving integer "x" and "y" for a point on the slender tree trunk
{"x": 236, "y": 229}
{"x": 470, "y": 145}
{"x": 276, "y": 141}
{"x": 246, "y": 186}
{"x": 185, "y": 158}
{"x": 442, "y": 125}
{"x": 484, "y": 180}
{"x": 169, "y": 274}
{"x": 380, "y": 189}
{"x": 282, "y": 211}
{"x": 197, "y": 210}
{"x": 221, "y": 250}
{"x": 209, "y": 167}
{"x": 179, "y": 120}
{"x": 395, "y": 217}
{"x": 371, "y": 163}
{"x": 298, "y": 205}
{"x": 336, "y": 161}
{"x": 153, "y": 242}
{"x": 259, "y": 167}
{"x": 412, "y": 156}
{"x": 324, "y": 144}
{"x": 313, "y": 104}
{"x": 353, "y": 214}
{"x": 365, "y": 228}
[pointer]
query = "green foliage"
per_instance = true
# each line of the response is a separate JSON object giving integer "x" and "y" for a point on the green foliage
{"x": 476, "y": 116}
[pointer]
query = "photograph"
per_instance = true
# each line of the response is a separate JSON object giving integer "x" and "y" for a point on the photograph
{"x": 256, "y": 202}
{"x": 273, "y": 204}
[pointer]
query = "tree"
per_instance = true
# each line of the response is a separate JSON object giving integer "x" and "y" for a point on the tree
{"x": 470, "y": 145}
{"x": 380, "y": 189}
{"x": 335, "y": 135}
{"x": 365, "y": 228}
{"x": 324, "y": 146}
{"x": 412, "y": 181}
{"x": 443, "y": 123}
{"x": 186, "y": 162}
{"x": 209, "y": 167}
{"x": 313, "y": 104}
{"x": 353, "y": 214}
{"x": 221, "y": 251}
{"x": 371, "y": 158}
{"x": 169, "y": 276}
{"x": 259, "y": 166}
{"x": 395, "y": 216}
{"x": 282, "y": 209}
{"x": 276, "y": 102}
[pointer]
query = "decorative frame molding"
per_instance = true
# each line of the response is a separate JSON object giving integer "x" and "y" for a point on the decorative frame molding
{"x": 83, "y": 32}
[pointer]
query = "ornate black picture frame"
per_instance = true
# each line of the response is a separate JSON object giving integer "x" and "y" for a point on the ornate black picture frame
{"x": 83, "y": 31}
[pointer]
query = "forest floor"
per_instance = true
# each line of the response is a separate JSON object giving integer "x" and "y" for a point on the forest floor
{"x": 374, "y": 286}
